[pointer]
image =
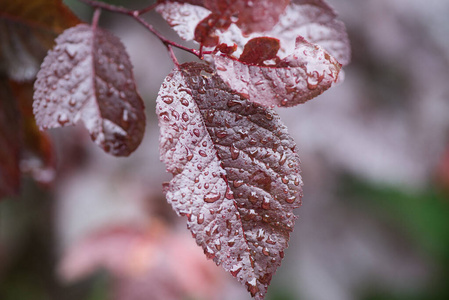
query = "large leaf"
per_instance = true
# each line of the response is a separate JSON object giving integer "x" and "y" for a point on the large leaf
{"x": 236, "y": 173}
{"x": 27, "y": 31}
{"x": 10, "y": 141}
{"x": 88, "y": 77}
{"x": 299, "y": 77}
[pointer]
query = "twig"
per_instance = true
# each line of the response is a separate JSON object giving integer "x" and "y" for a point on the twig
{"x": 136, "y": 15}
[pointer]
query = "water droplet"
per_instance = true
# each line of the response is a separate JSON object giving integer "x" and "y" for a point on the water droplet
{"x": 290, "y": 199}
{"x": 285, "y": 179}
{"x": 221, "y": 68}
{"x": 270, "y": 241}
{"x": 218, "y": 245}
{"x": 72, "y": 101}
{"x": 71, "y": 51}
{"x": 221, "y": 133}
{"x": 185, "y": 117}
{"x": 253, "y": 197}
{"x": 265, "y": 251}
{"x": 212, "y": 197}
{"x": 202, "y": 153}
{"x": 196, "y": 131}
{"x": 266, "y": 203}
{"x": 184, "y": 102}
{"x": 120, "y": 67}
{"x": 189, "y": 155}
{"x": 284, "y": 102}
{"x": 175, "y": 114}
{"x": 252, "y": 287}
{"x": 200, "y": 219}
{"x": 269, "y": 116}
{"x": 63, "y": 119}
{"x": 260, "y": 234}
{"x": 231, "y": 242}
{"x": 235, "y": 152}
{"x": 237, "y": 183}
{"x": 167, "y": 99}
{"x": 235, "y": 270}
{"x": 297, "y": 181}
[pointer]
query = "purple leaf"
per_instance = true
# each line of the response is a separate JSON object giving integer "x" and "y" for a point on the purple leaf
{"x": 313, "y": 20}
{"x": 299, "y": 77}
{"x": 88, "y": 77}
{"x": 212, "y": 16}
{"x": 236, "y": 173}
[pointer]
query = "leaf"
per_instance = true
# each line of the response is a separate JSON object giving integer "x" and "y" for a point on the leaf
{"x": 38, "y": 156}
{"x": 236, "y": 173}
{"x": 27, "y": 31}
{"x": 183, "y": 17}
{"x": 88, "y": 77}
{"x": 10, "y": 142}
{"x": 305, "y": 74}
{"x": 313, "y": 20}
{"x": 212, "y": 16}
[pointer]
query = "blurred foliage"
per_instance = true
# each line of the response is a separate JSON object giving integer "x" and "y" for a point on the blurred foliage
{"x": 423, "y": 216}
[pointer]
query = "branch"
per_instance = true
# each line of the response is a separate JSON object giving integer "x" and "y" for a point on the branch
{"x": 136, "y": 15}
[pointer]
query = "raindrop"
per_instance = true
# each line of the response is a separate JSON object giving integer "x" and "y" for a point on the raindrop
{"x": 218, "y": 245}
{"x": 189, "y": 155}
{"x": 290, "y": 199}
{"x": 297, "y": 182}
{"x": 266, "y": 203}
{"x": 253, "y": 197}
{"x": 260, "y": 234}
{"x": 284, "y": 102}
{"x": 184, "y": 102}
{"x": 120, "y": 67}
{"x": 265, "y": 251}
{"x": 185, "y": 117}
{"x": 237, "y": 183}
{"x": 200, "y": 219}
{"x": 202, "y": 153}
{"x": 196, "y": 131}
{"x": 167, "y": 99}
{"x": 63, "y": 119}
{"x": 221, "y": 133}
{"x": 212, "y": 197}
{"x": 235, "y": 270}
{"x": 235, "y": 152}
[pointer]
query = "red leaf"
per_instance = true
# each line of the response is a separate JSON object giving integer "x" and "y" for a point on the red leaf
{"x": 27, "y": 30}
{"x": 10, "y": 142}
{"x": 212, "y": 16}
{"x": 236, "y": 173}
{"x": 313, "y": 20}
{"x": 305, "y": 74}
{"x": 258, "y": 50}
{"x": 88, "y": 77}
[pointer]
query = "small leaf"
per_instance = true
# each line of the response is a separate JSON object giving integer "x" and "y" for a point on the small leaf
{"x": 27, "y": 31}
{"x": 10, "y": 141}
{"x": 305, "y": 74}
{"x": 258, "y": 50}
{"x": 313, "y": 20}
{"x": 88, "y": 77}
{"x": 236, "y": 173}
{"x": 212, "y": 16}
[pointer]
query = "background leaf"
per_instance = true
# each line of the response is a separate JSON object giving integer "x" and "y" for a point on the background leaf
{"x": 236, "y": 173}
{"x": 10, "y": 141}
{"x": 305, "y": 74}
{"x": 88, "y": 77}
{"x": 27, "y": 29}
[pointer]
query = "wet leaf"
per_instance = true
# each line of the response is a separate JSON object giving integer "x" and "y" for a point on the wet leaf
{"x": 10, "y": 142}
{"x": 236, "y": 173}
{"x": 88, "y": 77}
{"x": 27, "y": 31}
{"x": 210, "y": 17}
{"x": 313, "y": 20}
{"x": 299, "y": 77}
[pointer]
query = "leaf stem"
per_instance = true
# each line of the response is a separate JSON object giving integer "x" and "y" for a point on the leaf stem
{"x": 136, "y": 15}
{"x": 96, "y": 18}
